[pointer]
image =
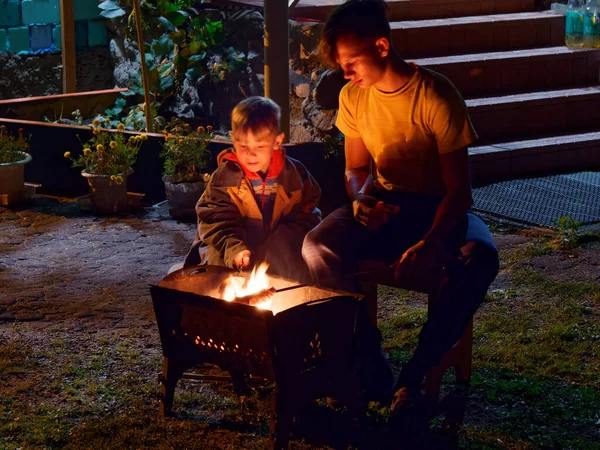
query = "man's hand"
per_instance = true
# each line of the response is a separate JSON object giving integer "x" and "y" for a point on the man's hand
{"x": 370, "y": 212}
{"x": 242, "y": 259}
{"x": 417, "y": 260}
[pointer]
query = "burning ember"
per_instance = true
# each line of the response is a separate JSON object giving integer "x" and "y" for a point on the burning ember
{"x": 253, "y": 291}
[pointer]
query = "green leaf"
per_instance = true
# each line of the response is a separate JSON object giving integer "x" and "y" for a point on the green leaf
{"x": 196, "y": 72}
{"x": 153, "y": 79}
{"x": 194, "y": 60}
{"x": 165, "y": 23}
{"x": 166, "y": 83}
{"x": 111, "y": 9}
{"x": 177, "y": 17}
{"x": 195, "y": 47}
{"x": 162, "y": 46}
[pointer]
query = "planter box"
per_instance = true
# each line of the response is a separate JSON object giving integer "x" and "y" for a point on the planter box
{"x": 50, "y": 141}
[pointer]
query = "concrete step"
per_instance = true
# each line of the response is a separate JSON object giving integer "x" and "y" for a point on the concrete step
{"x": 498, "y": 73}
{"x": 418, "y": 9}
{"x": 478, "y": 34}
{"x": 535, "y": 113}
{"x": 534, "y": 157}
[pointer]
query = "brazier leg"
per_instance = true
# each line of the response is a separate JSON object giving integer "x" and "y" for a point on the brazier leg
{"x": 168, "y": 381}
{"x": 280, "y": 425}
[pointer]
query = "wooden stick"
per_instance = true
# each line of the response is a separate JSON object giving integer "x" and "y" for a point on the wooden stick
{"x": 145, "y": 76}
{"x": 67, "y": 20}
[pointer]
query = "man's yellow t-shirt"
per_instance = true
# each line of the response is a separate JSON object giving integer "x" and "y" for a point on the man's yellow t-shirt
{"x": 405, "y": 131}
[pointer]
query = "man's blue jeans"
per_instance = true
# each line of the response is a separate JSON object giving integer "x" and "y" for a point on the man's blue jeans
{"x": 332, "y": 251}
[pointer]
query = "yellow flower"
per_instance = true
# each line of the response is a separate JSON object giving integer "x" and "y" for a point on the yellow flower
{"x": 167, "y": 137}
{"x": 67, "y": 154}
{"x": 120, "y": 127}
{"x": 113, "y": 144}
{"x": 87, "y": 151}
{"x": 186, "y": 125}
{"x": 96, "y": 131}
{"x": 209, "y": 128}
{"x": 21, "y": 130}
{"x": 112, "y": 178}
{"x": 100, "y": 147}
{"x": 118, "y": 179}
{"x": 107, "y": 120}
{"x": 200, "y": 129}
{"x": 131, "y": 139}
{"x": 143, "y": 137}
{"x": 181, "y": 141}
{"x": 96, "y": 123}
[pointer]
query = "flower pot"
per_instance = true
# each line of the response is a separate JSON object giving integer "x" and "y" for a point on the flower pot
{"x": 106, "y": 196}
{"x": 12, "y": 179}
{"x": 182, "y": 197}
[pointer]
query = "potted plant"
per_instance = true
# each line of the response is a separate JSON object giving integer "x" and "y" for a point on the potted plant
{"x": 107, "y": 160}
{"x": 13, "y": 157}
{"x": 186, "y": 157}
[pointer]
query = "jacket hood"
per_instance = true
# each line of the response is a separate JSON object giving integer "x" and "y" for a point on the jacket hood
{"x": 277, "y": 161}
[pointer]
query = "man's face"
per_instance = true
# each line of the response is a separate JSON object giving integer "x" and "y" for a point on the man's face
{"x": 362, "y": 62}
{"x": 254, "y": 152}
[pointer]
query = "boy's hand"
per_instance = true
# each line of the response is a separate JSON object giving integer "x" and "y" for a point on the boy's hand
{"x": 242, "y": 259}
{"x": 370, "y": 212}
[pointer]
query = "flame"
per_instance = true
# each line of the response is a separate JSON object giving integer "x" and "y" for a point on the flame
{"x": 236, "y": 286}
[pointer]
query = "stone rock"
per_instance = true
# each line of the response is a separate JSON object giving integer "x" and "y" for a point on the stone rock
{"x": 327, "y": 91}
{"x": 296, "y": 79}
{"x": 323, "y": 119}
{"x": 302, "y": 90}
{"x": 124, "y": 61}
{"x": 299, "y": 133}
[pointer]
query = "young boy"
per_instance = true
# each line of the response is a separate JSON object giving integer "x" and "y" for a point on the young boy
{"x": 259, "y": 204}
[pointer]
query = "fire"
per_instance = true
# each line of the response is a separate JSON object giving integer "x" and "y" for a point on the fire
{"x": 236, "y": 286}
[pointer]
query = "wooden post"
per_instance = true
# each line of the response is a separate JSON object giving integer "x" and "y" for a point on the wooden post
{"x": 277, "y": 77}
{"x": 145, "y": 76}
{"x": 67, "y": 22}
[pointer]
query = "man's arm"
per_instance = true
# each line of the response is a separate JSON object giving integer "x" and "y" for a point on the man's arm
{"x": 358, "y": 167}
{"x": 458, "y": 200}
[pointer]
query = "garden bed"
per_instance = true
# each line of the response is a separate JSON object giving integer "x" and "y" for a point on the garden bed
{"x": 49, "y": 142}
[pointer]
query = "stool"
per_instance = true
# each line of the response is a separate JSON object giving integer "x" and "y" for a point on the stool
{"x": 459, "y": 357}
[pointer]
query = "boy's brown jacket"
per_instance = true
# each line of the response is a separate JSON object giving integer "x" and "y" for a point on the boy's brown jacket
{"x": 229, "y": 219}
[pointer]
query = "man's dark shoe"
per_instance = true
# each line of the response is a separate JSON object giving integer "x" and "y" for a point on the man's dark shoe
{"x": 410, "y": 414}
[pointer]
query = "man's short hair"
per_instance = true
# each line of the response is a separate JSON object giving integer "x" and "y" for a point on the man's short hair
{"x": 258, "y": 115}
{"x": 364, "y": 19}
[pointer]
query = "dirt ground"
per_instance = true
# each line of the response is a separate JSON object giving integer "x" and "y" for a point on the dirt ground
{"x": 74, "y": 283}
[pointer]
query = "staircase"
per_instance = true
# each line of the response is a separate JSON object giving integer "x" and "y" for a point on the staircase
{"x": 534, "y": 102}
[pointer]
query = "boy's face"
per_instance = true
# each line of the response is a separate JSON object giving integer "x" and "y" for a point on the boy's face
{"x": 363, "y": 63}
{"x": 254, "y": 152}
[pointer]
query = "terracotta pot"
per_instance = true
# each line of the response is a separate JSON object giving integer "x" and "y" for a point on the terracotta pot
{"x": 106, "y": 196}
{"x": 182, "y": 197}
{"x": 12, "y": 179}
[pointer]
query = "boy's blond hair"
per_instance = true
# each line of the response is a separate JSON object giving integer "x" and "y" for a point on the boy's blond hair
{"x": 258, "y": 115}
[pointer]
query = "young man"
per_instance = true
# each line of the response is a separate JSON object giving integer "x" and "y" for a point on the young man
{"x": 259, "y": 204}
{"x": 406, "y": 134}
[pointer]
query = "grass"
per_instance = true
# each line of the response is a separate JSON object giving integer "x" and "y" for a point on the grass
{"x": 535, "y": 384}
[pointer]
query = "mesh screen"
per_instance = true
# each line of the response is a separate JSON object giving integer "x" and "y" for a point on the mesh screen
{"x": 541, "y": 201}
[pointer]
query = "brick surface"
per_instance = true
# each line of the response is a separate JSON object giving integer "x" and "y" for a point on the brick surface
{"x": 9, "y": 14}
{"x": 85, "y": 268}
{"x": 41, "y": 11}
{"x": 41, "y": 37}
{"x": 97, "y": 33}
{"x": 56, "y": 36}
{"x": 18, "y": 39}
{"x": 81, "y": 33}
{"x": 86, "y": 10}
{"x": 3, "y": 42}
